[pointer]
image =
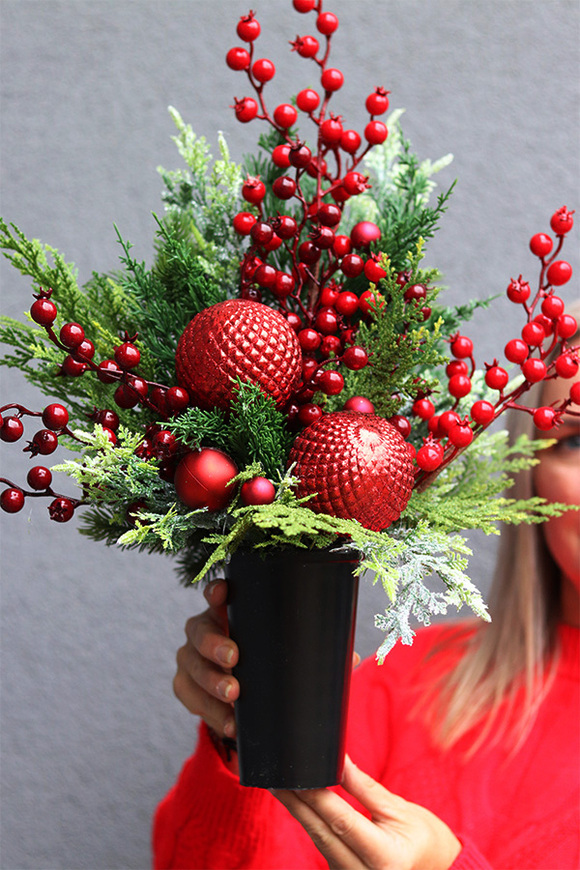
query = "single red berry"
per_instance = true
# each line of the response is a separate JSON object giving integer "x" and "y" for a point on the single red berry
{"x": 72, "y": 367}
{"x": 355, "y": 358}
{"x": 376, "y": 132}
{"x": 284, "y": 187}
{"x": 331, "y": 382}
{"x": 401, "y": 424}
{"x": 456, "y": 367}
{"x": 430, "y": 456}
{"x": 12, "y": 429}
{"x": 258, "y": 490}
{"x": 127, "y": 395}
{"x": 43, "y": 311}
{"x": 238, "y": 58}
{"x": 263, "y": 70}
{"x": 86, "y": 349}
{"x": 575, "y": 392}
{"x": 363, "y": 233}
{"x": 516, "y": 351}
{"x": 459, "y": 386}
{"x": 285, "y": 115}
{"x": 559, "y": 272}
{"x": 326, "y": 23}
{"x": 482, "y": 412}
{"x": 360, "y": 404}
{"x": 107, "y": 418}
{"x": 248, "y": 28}
{"x": 307, "y": 100}
{"x": 534, "y": 370}
{"x": 330, "y": 131}
{"x": 39, "y": 477}
{"x": 55, "y": 416}
{"x": 261, "y": 233}
{"x": 304, "y": 5}
{"x": 496, "y": 377}
{"x": 346, "y": 303}
{"x": 328, "y": 296}
{"x": 518, "y": 290}
{"x": 352, "y": 265}
{"x": 61, "y": 510}
{"x": 423, "y": 408}
{"x": 110, "y": 435}
{"x": 12, "y": 500}
{"x": 280, "y": 156}
{"x": 377, "y": 103}
{"x": 374, "y": 272}
{"x": 342, "y": 246}
{"x": 562, "y": 221}
{"x": 285, "y": 226}
{"x": 309, "y": 414}
{"x": 371, "y": 300}
{"x": 164, "y": 444}
{"x": 309, "y": 339}
{"x": 308, "y": 253}
{"x": 326, "y": 321}
{"x": 329, "y": 214}
{"x": 566, "y": 365}
{"x": 355, "y": 183}
{"x": 415, "y": 293}
{"x": 243, "y": 223}
{"x": 322, "y": 237}
{"x": 461, "y": 435}
{"x": 566, "y": 326}
{"x": 350, "y": 141}
{"x": 332, "y": 79}
{"x": 265, "y": 275}
{"x": 253, "y": 190}
{"x": 127, "y": 355}
{"x": 552, "y": 306}
{"x": 284, "y": 285}
{"x": 299, "y": 156}
{"x": 72, "y": 334}
{"x": 544, "y": 418}
{"x": 306, "y": 46}
{"x": 44, "y": 442}
{"x": 331, "y": 346}
{"x": 246, "y": 109}
{"x": 294, "y": 320}
{"x": 177, "y": 399}
{"x": 447, "y": 420}
{"x": 541, "y": 245}
{"x": 461, "y": 347}
{"x": 108, "y": 371}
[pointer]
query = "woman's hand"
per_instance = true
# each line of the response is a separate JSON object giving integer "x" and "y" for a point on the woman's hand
{"x": 398, "y": 836}
{"x": 203, "y": 682}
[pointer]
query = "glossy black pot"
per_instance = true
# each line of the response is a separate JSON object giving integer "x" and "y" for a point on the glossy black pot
{"x": 292, "y": 615}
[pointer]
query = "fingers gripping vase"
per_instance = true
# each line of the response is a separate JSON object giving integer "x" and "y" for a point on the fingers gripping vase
{"x": 292, "y": 615}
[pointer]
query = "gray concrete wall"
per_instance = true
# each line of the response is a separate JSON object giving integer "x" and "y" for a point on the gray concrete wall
{"x": 91, "y": 734}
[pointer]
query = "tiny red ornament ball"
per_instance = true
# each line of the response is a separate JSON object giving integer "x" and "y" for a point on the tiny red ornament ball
{"x": 356, "y": 466}
{"x": 258, "y": 491}
{"x": 360, "y": 404}
{"x": 203, "y": 479}
{"x": 363, "y": 233}
{"x": 242, "y": 339}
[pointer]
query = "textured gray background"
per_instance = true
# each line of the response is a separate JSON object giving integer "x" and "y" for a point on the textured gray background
{"x": 92, "y": 736}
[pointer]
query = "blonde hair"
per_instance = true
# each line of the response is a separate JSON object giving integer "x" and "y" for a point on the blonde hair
{"x": 505, "y": 670}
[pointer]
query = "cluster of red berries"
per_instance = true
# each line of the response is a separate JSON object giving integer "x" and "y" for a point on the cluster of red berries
{"x": 310, "y": 293}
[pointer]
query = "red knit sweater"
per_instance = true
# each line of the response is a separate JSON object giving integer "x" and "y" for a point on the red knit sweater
{"x": 510, "y": 812}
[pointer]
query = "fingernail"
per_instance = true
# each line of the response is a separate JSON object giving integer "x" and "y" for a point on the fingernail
{"x": 230, "y": 728}
{"x": 224, "y": 688}
{"x": 225, "y": 654}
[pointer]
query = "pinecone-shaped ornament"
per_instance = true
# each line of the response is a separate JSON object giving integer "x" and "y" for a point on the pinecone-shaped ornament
{"x": 358, "y": 465}
{"x": 237, "y": 338}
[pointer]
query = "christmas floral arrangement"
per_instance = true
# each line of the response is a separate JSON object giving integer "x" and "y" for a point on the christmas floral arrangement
{"x": 285, "y": 374}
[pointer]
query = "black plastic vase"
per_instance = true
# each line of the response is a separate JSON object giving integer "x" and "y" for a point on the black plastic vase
{"x": 292, "y": 614}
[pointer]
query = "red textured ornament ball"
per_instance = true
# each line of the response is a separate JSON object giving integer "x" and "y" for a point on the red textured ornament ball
{"x": 242, "y": 339}
{"x": 258, "y": 491}
{"x": 356, "y": 466}
{"x": 202, "y": 479}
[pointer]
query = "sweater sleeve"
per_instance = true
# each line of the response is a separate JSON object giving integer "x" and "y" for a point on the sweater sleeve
{"x": 209, "y": 820}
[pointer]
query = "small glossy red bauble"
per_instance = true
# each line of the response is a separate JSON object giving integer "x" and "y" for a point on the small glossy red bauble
{"x": 43, "y": 311}
{"x": 85, "y": 349}
{"x": 429, "y": 457}
{"x": 243, "y": 223}
{"x": 566, "y": 326}
{"x": 285, "y": 115}
{"x": 352, "y": 265}
{"x": 309, "y": 414}
{"x": 304, "y": 5}
{"x": 253, "y": 190}
{"x": 331, "y": 382}
{"x": 306, "y": 46}
{"x": 518, "y": 290}
{"x": 566, "y": 365}
{"x": 516, "y": 350}
{"x": 107, "y": 418}
{"x": 55, "y": 416}
{"x": 461, "y": 435}
{"x": 459, "y": 386}
{"x": 374, "y": 272}
{"x": 377, "y": 103}
{"x": 248, "y": 28}
{"x": 496, "y": 378}
{"x": 326, "y": 23}
{"x": 328, "y": 214}
{"x": 258, "y": 491}
{"x": 44, "y": 442}
{"x": 559, "y": 272}
{"x": 376, "y": 132}
{"x": 350, "y": 141}
{"x": 299, "y": 156}
{"x": 346, "y": 303}
{"x": 456, "y": 367}
{"x": 11, "y": 429}
{"x": 534, "y": 370}
{"x": 482, "y": 412}
{"x": 39, "y": 477}
{"x": 309, "y": 339}
{"x": 261, "y": 233}
{"x": 332, "y": 79}
{"x": 533, "y": 334}
{"x": 541, "y": 245}
{"x": 127, "y": 355}
{"x": 575, "y": 392}
{"x": 72, "y": 334}
{"x": 284, "y": 187}
{"x": 401, "y": 424}
{"x": 72, "y": 367}
{"x": 326, "y": 321}
{"x": 360, "y": 404}
{"x": 307, "y": 100}
{"x": 330, "y": 131}
{"x": 177, "y": 399}
{"x": 423, "y": 408}
{"x": 544, "y": 418}
{"x": 562, "y": 221}
{"x": 447, "y": 420}
{"x": 203, "y": 479}
{"x": 108, "y": 371}
{"x": 12, "y": 500}
{"x": 263, "y": 70}
{"x": 238, "y": 59}
{"x": 355, "y": 358}
{"x": 363, "y": 233}
{"x": 61, "y": 510}
{"x": 552, "y": 306}
{"x": 462, "y": 347}
{"x": 308, "y": 253}
{"x": 280, "y": 156}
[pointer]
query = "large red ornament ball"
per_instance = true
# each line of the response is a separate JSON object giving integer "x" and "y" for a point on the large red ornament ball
{"x": 358, "y": 465}
{"x": 202, "y": 479}
{"x": 238, "y": 338}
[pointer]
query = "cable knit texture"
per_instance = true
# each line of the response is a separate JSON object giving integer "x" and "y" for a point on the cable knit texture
{"x": 510, "y": 811}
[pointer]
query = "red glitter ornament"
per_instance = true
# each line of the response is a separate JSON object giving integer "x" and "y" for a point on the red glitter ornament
{"x": 202, "y": 479}
{"x": 238, "y": 338}
{"x": 358, "y": 466}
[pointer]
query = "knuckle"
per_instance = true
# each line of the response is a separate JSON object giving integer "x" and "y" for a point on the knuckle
{"x": 342, "y": 824}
